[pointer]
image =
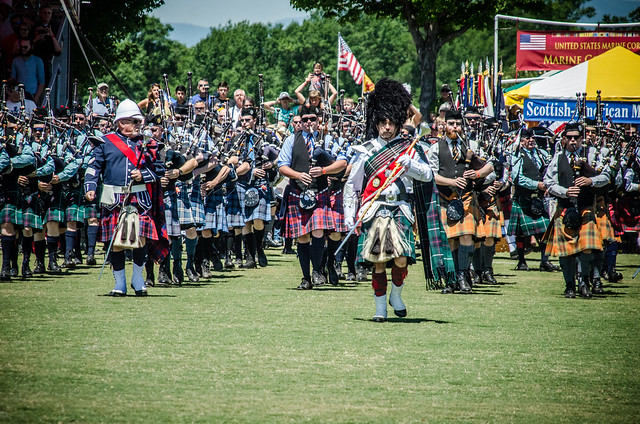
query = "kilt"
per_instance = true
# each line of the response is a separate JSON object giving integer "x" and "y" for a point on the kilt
{"x": 603, "y": 221}
{"x": 91, "y": 211}
{"x": 235, "y": 216}
{"x": 627, "y": 212}
{"x": 32, "y": 211}
{"x": 466, "y": 225}
{"x": 406, "y": 229}
{"x": 12, "y": 207}
{"x": 521, "y": 224}
{"x": 564, "y": 242}
{"x": 337, "y": 211}
{"x": 55, "y": 206}
{"x": 215, "y": 215}
{"x": 110, "y": 220}
{"x": 615, "y": 220}
{"x": 490, "y": 225}
{"x": 183, "y": 207}
{"x": 299, "y": 222}
{"x": 260, "y": 211}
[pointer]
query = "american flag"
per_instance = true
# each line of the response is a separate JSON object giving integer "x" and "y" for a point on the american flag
{"x": 348, "y": 62}
{"x": 533, "y": 41}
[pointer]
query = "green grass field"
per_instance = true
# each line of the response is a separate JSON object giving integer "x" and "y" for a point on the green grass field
{"x": 246, "y": 347}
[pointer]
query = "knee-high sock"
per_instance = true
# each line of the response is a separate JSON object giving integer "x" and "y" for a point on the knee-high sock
{"x": 477, "y": 258}
{"x": 250, "y": 245}
{"x": 304, "y": 257}
{"x": 379, "y": 283}
{"x": 398, "y": 274}
{"x": 568, "y": 265}
{"x": 456, "y": 264}
{"x": 176, "y": 251}
{"x": 92, "y": 237}
{"x": 259, "y": 235}
{"x": 520, "y": 245}
{"x": 352, "y": 252}
{"x": 70, "y": 241}
{"x": 190, "y": 245}
{"x": 611, "y": 255}
{"x": 117, "y": 260}
{"x": 288, "y": 243}
{"x": 229, "y": 239}
{"x": 27, "y": 247}
{"x": 206, "y": 247}
{"x": 598, "y": 260}
{"x": 237, "y": 246}
{"x": 8, "y": 248}
{"x": 317, "y": 252}
{"x": 52, "y": 246}
{"x": 488, "y": 252}
{"x": 586, "y": 263}
{"x": 332, "y": 245}
{"x": 465, "y": 253}
{"x": 40, "y": 249}
{"x": 140, "y": 255}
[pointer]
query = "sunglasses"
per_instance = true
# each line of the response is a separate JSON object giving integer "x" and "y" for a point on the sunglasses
{"x": 297, "y": 122}
{"x": 309, "y": 118}
{"x": 573, "y": 137}
{"x": 132, "y": 121}
{"x": 246, "y": 119}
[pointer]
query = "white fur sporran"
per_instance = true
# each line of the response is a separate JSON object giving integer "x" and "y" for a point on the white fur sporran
{"x": 127, "y": 234}
{"x": 385, "y": 241}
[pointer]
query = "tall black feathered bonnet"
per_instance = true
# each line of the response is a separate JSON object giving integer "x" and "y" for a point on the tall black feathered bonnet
{"x": 390, "y": 100}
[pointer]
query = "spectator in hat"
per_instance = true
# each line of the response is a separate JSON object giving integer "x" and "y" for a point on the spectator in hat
{"x": 287, "y": 109}
{"x": 101, "y": 104}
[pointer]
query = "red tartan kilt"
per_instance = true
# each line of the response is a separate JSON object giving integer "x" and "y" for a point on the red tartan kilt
{"x": 110, "y": 220}
{"x": 337, "y": 210}
{"x": 299, "y": 222}
{"x": 630, "y": 222}
{"x": 613, "y": 215}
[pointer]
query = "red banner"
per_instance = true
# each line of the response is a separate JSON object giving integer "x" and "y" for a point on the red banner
{"x": 546, "y": 51}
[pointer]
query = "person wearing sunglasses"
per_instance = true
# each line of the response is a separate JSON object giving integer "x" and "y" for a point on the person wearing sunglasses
{"x": 130, "y": 170}
{"x": 572, "y": 179}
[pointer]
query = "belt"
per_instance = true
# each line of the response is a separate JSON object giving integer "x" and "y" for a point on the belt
{"x": 403, "y": 197}
{"x": 125, "y": 189}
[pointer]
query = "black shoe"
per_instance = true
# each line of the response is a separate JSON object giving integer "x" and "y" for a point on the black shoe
{"x": 149, "y": 282}
{"x": 141, "y": 292}
{"x": 14, "y": 271}
{"x": 26, "y": 270}
{"x": 288, "y": 251}
{"x": 614, "y": 276}
{"x": 333, "y": 275}
{"x": 262, "y": 258}
{"x": 361, "y": 274}
{"x": 39, "y": 268}
{"x": 163, "y": 277}
{"x": 317, "y": 279}
{"x": 465, "y": 288}
{"x": 447, "y": 290}
{"x": 522, "y": 266}
{"x": 117, "y": 293}
{"x": 597, "y": 286}
{"x": 191, "y": 274}
{"x": 249, "y": 264}
{"x": 569, "y": 294}
{"x": 53, "y": 267}
{"x": 178, "y": 275}
{"x": 341, "y": 275}
{"x": 91, "y": 260}
{"x": 513, "y": 255}
{"x": 487, "y": 276}
{"x": 228, "y": 263}
{"x": 270, "y": 242}
{"x": 206, "y": 270}
{"x": 548, "y": 266}
{"x": 69, "y": 263}
{"x": 351, "y": 276}
{"x": 5, "y": 274}
{"x": 475, "y": 278}
{"x": 304, "y": 285}
{"x": 584, "y": 290}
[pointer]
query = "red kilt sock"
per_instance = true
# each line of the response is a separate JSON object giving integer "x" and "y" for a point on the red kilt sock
{"x": 379, "y": 283}
{"x": 398, "y": 274}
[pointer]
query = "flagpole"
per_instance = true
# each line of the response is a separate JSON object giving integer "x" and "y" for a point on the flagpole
{"x": 338, "y": 67}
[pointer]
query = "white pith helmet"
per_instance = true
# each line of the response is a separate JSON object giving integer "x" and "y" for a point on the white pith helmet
{"x": 128, "y": 109}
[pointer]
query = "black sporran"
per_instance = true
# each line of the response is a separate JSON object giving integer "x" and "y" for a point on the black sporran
{"x": 572, "y": 218}
{"x": 455, "y": 210}
{"x": 537, "y": 207}
{"x": 251, "y": 197}
{"x": 308, "y": 199}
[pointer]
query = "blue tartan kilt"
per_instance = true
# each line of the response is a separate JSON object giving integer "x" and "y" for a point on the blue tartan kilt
{"x": 522, "y": 224}
{"x": 187, "y": 206}
{"x": 215, "y": 218}
{"x": 171, "y": 213}
{"x": 110, "y": 219}
{"x": 74, "y": 207}
{"x": 235, "y": 215}
{"x": 262, "y": 210}
{"x": 12, "y": 208}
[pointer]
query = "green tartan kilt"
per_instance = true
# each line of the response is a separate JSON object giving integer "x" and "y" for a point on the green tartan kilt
{"x": 11, "y": 213}
{"x": 32, "y": 212}
{"x": 55, "y": 207}
{"x": 521, "y": 224}
{"x": 406, "y": 229}
{"x": 74, "y": 208}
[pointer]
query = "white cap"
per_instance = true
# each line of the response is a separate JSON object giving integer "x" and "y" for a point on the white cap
{"x": 128, "y": 109}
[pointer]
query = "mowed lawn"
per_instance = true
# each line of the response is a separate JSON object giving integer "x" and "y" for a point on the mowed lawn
{"x": 246, "y": 347}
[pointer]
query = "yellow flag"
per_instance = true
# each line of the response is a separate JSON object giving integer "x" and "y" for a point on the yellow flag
{"x": 367, "y": 85}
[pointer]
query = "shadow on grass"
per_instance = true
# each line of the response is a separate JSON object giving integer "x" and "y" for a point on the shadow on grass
{"x": 130, "y": 296}
{"x": 405, "y": 320}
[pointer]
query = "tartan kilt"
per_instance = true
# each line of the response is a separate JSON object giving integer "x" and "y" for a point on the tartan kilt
{"x": 630, "y": 221}
{"x": 564, "y": 242}
{"x": 74, "y": 209}
{"x": 521, "y": 224}
{"x": 91, "y": 211}
{"x": 171, "y": 213}
{"x": 215, "y": 215}
{"x": 299, "y": 222}
{"x": 406, "y": 229}
{"x": 32, "y": 212}
{"x": 615, "y": 220}
{"x": 337, "y": 211}
{"x": 11, "y": 213}
{"x": 491, "y": 223}
{"x": 54, "y": 204}
{"x": 110, "y": 220}
{"x": 603, "y": 221}
{"x": 234, "y": 210}
{"x": 465, "y": 226}
{"x": 260, "y": 211}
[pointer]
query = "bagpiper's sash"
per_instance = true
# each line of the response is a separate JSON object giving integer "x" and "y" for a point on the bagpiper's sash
{"x": 380, "y": 165}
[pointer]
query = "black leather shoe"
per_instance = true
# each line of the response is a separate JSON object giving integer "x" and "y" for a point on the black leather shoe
{"x": 5, "y": 274}
{"x": 317, "y": 279}
{"x": 465, "y": 288}
{"x": 614, "y": 276}
{"x": 249, "y": 264}
{"x": 69, "y": 263}
{"x": 548, "y": 266}
{"x": 584, "y": 290}
{"x": 378, "y": 319}
{"x": 305, "y": 285}
{"x": 475, "y": 277}
{"x": 192, "y": 276}
{"x": 206, "y": 270}
{"x": 487, "y": 276}
{"x": 178, "y": 276}
{"x": 163, "y": 277}
{"x": 361, "y": 274}
{"x": 288, "y": 251}
{"x": 141, "y": 293}
{"x": 569, "y": 294}
{"x": 228, "y": 262}
{"x": 351, "y": 276}
{"x": 341, "y": 275}
{"x": 333, "y": 275}
{"x": 117, "y": 293}
{"x": 14, "y": 271}
{"x": 262, "y": 258}
{"x": 26, "y": 270}
{"x": 91, "y": 260}
{"x": 597, "y": 286}
{"x": 447, "y": 290}
{"x": 53, "y": 267}
{"x": 522, "y": 266}
{"x": 39, "y": 268}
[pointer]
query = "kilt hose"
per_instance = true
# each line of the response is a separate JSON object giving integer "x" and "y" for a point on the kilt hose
{"x": 406, "y": 230}
{"x": 109, "y": 219}
{"x": 337, "y": 211}
{"x": 603, "y": 221}
{"x": 467, "y": 224}
{"x": 523, "y": 224}
{"x": 234, "y": 211}
{"x": 215, "y": 215}
{"x": 262, "y": 210}
{"x": 299, "y": 222}
{"x": 563, "y": 242}
{"x": 490, "y": 225}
